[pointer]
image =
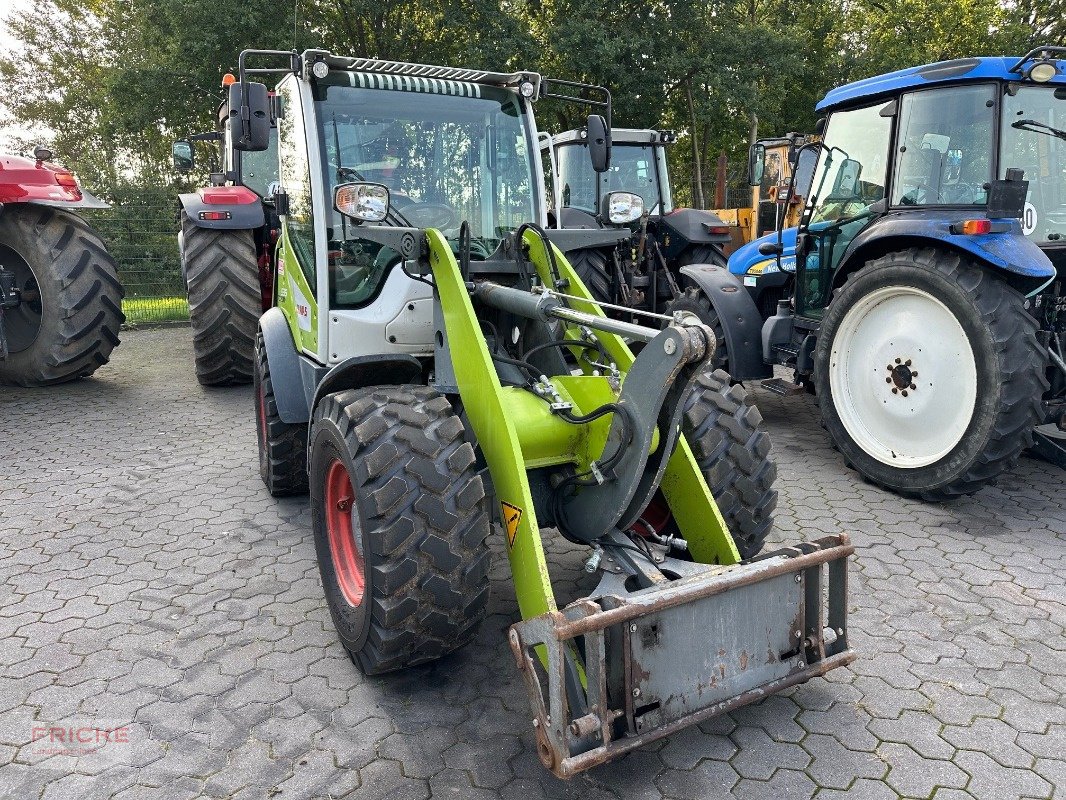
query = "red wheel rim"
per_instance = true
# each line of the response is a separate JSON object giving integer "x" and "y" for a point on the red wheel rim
{"x": 347, "y": 560}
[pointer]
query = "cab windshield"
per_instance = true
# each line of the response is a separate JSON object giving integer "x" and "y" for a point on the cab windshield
{"x": 633, "y": 169}
{"x": 460, "y": 155}
{"x": 1033, "y": 138}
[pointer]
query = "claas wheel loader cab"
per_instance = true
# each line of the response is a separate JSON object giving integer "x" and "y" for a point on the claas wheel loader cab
{"x": 434, "y": 372}
{"x": 929, "y": 269}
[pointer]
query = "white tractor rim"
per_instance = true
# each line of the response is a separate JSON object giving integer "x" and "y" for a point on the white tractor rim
{"x": 903, "y": 377}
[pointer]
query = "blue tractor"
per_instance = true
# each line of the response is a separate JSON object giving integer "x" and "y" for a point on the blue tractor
{"x": 926, "y": 290}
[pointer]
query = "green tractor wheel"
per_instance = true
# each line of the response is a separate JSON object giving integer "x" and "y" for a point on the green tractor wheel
{"x": 400, "y": 519}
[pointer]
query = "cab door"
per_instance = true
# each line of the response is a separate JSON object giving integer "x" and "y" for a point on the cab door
{"x": 849, "y": 180}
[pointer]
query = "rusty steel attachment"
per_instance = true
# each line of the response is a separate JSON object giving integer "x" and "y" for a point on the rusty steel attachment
{"x": 660, "y": 659}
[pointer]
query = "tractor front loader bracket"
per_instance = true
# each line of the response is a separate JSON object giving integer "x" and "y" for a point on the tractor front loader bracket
{"x": 689, "y": 649}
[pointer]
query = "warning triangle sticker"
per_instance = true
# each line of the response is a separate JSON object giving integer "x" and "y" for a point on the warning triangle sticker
{"x": 512, "y": 515}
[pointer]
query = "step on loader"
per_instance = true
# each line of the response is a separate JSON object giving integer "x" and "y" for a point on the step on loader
{"x": 433, "y": 371}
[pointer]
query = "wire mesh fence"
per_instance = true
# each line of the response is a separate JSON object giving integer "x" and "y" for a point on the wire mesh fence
{"x": 141, "y": 233}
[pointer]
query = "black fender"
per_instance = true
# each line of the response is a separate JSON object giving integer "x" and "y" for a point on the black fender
{"x": 292, "y": 376}
{"x": 242, "y": 216}
{"x": 739, "y": 316}
{"x": 391, "y": 369}
{"x": 684, "y": 227}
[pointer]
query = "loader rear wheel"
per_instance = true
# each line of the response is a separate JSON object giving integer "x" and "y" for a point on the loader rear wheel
{"x": 723, "y": 428}
{"x": 225, "y": 302}
{"x": 929, "y": 373}
{"x": 400, "y": 519}
{"x": 282, "y": 446}
{"x": 68, "y": 321}
{"x": 594, "y": 267}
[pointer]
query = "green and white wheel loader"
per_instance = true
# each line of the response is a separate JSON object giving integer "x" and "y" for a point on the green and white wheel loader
{"x": 435, "y": 373}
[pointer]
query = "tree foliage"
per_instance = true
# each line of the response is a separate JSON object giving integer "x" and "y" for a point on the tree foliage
{"x": 111, "y": 82}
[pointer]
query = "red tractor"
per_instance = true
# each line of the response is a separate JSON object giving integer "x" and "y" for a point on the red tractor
{"x": 60, "y": 297}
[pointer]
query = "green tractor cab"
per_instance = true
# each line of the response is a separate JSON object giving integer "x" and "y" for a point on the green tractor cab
{"x": 433, "y": 372}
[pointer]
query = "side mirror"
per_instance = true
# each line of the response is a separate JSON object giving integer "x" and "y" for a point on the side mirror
{"x": 184, "y": 157}
{"x": 250, "y": 134}
{"x": 756, "y": 163}
{"x": 621, "y": 208}
{"x": 847, "y": 180}
{"x": 803, "y": 173}
{"x": 362, "y": 202}
{"x": 599, "y": 139}
{"x": 771, "y": 249}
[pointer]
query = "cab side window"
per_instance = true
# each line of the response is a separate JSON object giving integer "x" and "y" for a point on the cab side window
{"x": 944, "y": 149}
{"x": 295, "y": 178}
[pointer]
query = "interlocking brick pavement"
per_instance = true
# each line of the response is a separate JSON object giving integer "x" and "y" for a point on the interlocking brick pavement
{"x": 152, "y": 586}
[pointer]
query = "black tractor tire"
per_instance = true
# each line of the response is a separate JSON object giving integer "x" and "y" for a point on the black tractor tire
{"x": 419, "y": 517}
{"x": 1009, "y": 369}
{"x": 69, "y": 320}
{"x": 225, "y": 302}
{"x": 282, "y": 446}
{"x": 695, "y": 301}
{"x": 595, "y": 268}
{"x": 724, "y": 429}
{"x": 701, "y": 254}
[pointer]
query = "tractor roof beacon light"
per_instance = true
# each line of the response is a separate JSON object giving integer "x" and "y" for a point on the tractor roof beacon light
{"x": 229, "y": 79}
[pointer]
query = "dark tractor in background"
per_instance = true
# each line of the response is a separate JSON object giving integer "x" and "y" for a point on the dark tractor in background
{"x": 652, "y": 267}
{"x": 228, "y": 233}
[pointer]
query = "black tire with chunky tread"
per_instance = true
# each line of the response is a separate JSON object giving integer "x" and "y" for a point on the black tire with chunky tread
{"x": 282, "y": 446}
{"x": 424, "y": 517}
{"x": 695, "y": 301}
{"x": 595, "y": 268}
{"x": 225, "y": 302}
{"x": 701, "y": 254}
{"x": 723, "y": 427}
{"x": 1010, "y": 371}
{"x": 80, "y": 295}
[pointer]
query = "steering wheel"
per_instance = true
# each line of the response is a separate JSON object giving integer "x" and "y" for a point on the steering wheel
{"x": 966, "y": 193}
{"x": 431, "y": 215}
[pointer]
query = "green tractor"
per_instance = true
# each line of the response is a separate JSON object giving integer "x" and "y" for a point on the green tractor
{"x": 434, "y": 372}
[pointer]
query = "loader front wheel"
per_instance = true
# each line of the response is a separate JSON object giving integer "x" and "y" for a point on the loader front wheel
{"x": 225, "y": 302}
{"x": 282, "y": 446}
{"x": 723, "y": 428}
{"x": 400, "y": 518}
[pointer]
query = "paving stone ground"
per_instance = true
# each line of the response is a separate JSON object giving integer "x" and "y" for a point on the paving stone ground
{"x": 150, "y": 585}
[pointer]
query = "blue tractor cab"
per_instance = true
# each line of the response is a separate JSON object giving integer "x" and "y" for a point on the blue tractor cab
{"x": 926, "y": 301}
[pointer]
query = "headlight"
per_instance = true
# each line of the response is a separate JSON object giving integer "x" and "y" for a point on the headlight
{"x": 320, "y": 69}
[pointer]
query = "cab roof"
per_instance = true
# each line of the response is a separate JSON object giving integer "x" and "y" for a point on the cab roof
{"x": 938, "y": 74}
